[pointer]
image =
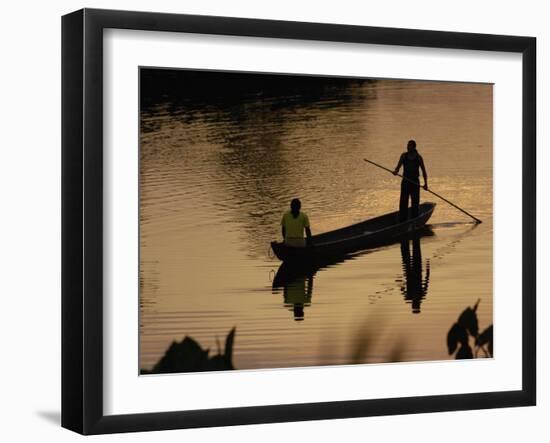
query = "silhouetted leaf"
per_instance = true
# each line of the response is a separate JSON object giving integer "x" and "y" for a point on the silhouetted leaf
{"x": 185, "y": 356}
{"x": 228, "y": 353}
{"x": 464, "y": 352}
{"x": 485, "y": 337}
{"x": 457, "y": 334}
{"x": 188, "y": 356}
{"x": 217, "y": 363}
{"x": 468, "y": 320}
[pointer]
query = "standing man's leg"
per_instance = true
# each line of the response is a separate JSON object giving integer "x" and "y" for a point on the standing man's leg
{"x": 415, "y": 199}
{"x": 404, "y": 201}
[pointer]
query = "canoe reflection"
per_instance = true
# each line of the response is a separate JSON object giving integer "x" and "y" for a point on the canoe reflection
{"x": 296, "y": 281}
{"x": 414, "y": 286}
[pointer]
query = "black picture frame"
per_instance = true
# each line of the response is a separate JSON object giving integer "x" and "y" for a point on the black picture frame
{"x": 82, "y": 218}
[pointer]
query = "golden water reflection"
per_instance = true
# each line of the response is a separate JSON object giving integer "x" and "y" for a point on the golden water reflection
{"x": 218, "y": 169}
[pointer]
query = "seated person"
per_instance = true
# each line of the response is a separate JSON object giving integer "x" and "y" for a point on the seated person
{"x": 293, "y": 225}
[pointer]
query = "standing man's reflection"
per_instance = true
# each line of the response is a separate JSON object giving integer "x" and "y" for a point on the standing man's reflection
{"x": 414, "y": 288}
{"x": 297, "y": 293}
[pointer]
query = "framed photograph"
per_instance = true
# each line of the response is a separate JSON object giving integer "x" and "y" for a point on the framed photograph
{"x": 269, "y": 221}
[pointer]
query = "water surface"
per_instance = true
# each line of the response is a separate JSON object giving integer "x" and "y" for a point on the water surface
{"x": 222, "y": 155}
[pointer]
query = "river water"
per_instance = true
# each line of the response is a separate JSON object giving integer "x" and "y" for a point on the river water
{"x": 222, "y": 155}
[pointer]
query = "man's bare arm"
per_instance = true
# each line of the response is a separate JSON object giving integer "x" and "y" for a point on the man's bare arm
{"x": 308, "y": 235}
{"x": 399, "y": 164}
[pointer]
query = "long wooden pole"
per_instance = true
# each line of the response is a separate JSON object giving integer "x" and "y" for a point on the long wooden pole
{"x": 477, "y": 220}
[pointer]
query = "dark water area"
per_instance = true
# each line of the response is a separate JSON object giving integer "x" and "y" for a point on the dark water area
{"x": 222, "y": 155}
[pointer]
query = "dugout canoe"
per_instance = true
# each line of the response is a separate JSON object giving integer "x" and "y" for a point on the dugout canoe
{"x": 370, "y": 233}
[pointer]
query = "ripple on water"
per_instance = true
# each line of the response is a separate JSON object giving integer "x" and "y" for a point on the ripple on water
{"x": 216, "y": 177}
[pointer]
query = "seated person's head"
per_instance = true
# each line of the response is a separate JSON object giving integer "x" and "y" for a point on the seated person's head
{"x": 295, "y": 206}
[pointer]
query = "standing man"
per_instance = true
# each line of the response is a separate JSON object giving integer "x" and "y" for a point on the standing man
{"x": 411, "y": 161}
{"x": 293, "y": 225}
